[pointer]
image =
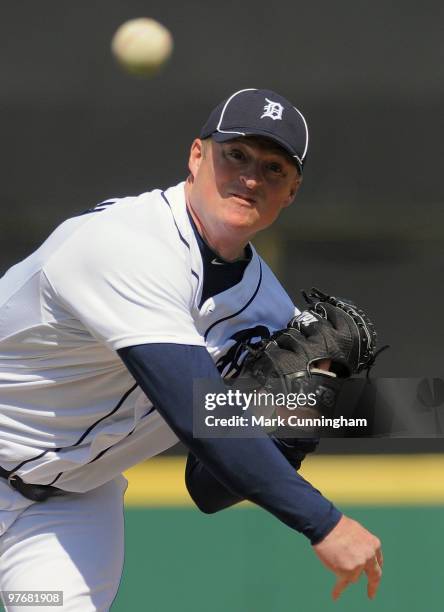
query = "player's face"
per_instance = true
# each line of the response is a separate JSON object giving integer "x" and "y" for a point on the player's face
{"x": 240, "y": 185}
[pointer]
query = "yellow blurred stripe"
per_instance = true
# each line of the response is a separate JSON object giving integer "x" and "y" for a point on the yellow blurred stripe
{"x": 348, "y": 479}
{"x": 158, "y": 482}
{"x": 378, "y": 480}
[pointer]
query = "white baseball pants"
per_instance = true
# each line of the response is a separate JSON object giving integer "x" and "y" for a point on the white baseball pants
{"x": 72, "y": 543}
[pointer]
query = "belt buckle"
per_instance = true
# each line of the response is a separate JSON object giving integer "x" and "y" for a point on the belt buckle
{"x": 12, "y": 478}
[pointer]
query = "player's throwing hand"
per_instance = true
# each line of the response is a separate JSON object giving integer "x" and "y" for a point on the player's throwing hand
{"x": 349, "y": 550}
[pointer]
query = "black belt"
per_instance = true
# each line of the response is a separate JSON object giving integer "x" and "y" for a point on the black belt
{"x": 35, "y": 492}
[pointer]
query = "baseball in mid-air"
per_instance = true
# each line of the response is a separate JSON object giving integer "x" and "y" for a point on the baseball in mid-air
{"x": 142, "y": 46}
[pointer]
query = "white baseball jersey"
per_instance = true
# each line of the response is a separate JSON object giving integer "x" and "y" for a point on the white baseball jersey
{"x": 129, "y": 272}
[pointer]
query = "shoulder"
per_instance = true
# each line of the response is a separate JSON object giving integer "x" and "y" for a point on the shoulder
{"x": 136, "y": 235}
{"x": 131, "y": 224}
{"x": 145, "y": 213}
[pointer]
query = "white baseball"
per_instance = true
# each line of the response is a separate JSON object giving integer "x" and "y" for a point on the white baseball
{"x": 142, "y": 46}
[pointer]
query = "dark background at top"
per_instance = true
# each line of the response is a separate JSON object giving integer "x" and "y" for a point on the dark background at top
{"x": 369, "y": 77}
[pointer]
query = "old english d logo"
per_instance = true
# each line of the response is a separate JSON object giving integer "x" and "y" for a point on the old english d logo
{"x": 273, "y": 110}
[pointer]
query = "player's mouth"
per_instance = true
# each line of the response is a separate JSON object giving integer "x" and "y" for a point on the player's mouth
{"x": 243, "y": 199}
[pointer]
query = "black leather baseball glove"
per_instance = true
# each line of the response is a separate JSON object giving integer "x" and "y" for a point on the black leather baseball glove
{"x": 330, "y": 329}
{"x": 335, "y": 329}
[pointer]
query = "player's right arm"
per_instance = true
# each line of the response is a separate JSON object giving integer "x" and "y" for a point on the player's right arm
{"x": 211, "y": 496}
{"x": 252, "y": 469}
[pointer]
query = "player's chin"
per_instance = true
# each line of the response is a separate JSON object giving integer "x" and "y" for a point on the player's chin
{"x": 242, "y": 218}
{"x": 242, "y": 211}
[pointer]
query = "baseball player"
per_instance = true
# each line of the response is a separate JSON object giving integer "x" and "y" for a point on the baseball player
{"x": 103, "y": 330}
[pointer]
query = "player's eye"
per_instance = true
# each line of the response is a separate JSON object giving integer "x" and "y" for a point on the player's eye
{"x": 236, "y": 154}
{"x": 276, "y": 168}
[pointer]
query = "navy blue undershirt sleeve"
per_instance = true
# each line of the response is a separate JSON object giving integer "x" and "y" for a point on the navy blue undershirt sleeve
{"x": 210, "y": 495}
{"x": 252, "y": 468}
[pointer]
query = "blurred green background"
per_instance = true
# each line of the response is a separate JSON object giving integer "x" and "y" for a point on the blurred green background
{"x": 245, "y": 561}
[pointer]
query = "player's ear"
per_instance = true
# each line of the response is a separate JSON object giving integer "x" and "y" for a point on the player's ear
{"x": 293, "y": 192}
{"x": 196, "y": 156}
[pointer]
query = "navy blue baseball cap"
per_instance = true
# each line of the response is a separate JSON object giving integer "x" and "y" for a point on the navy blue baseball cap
{"x": 260, "y": 112}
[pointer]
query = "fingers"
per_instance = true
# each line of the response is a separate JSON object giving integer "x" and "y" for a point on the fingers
{"x": 343, "y": 582}
{"x": 373, "y": 570}
{"x": 348, "y": 551}
{"x": 339, "y": 587}
{"x": 380, "y": 557}
{"x": 323, "y": 364}
{"x": 374, "y": 574}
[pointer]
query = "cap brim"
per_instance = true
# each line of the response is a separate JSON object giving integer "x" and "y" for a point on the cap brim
{"x": 223, "y": 137}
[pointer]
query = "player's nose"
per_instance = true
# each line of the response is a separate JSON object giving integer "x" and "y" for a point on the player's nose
{"x": 249, "y": 182}
{"x": 251, "y": 177}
